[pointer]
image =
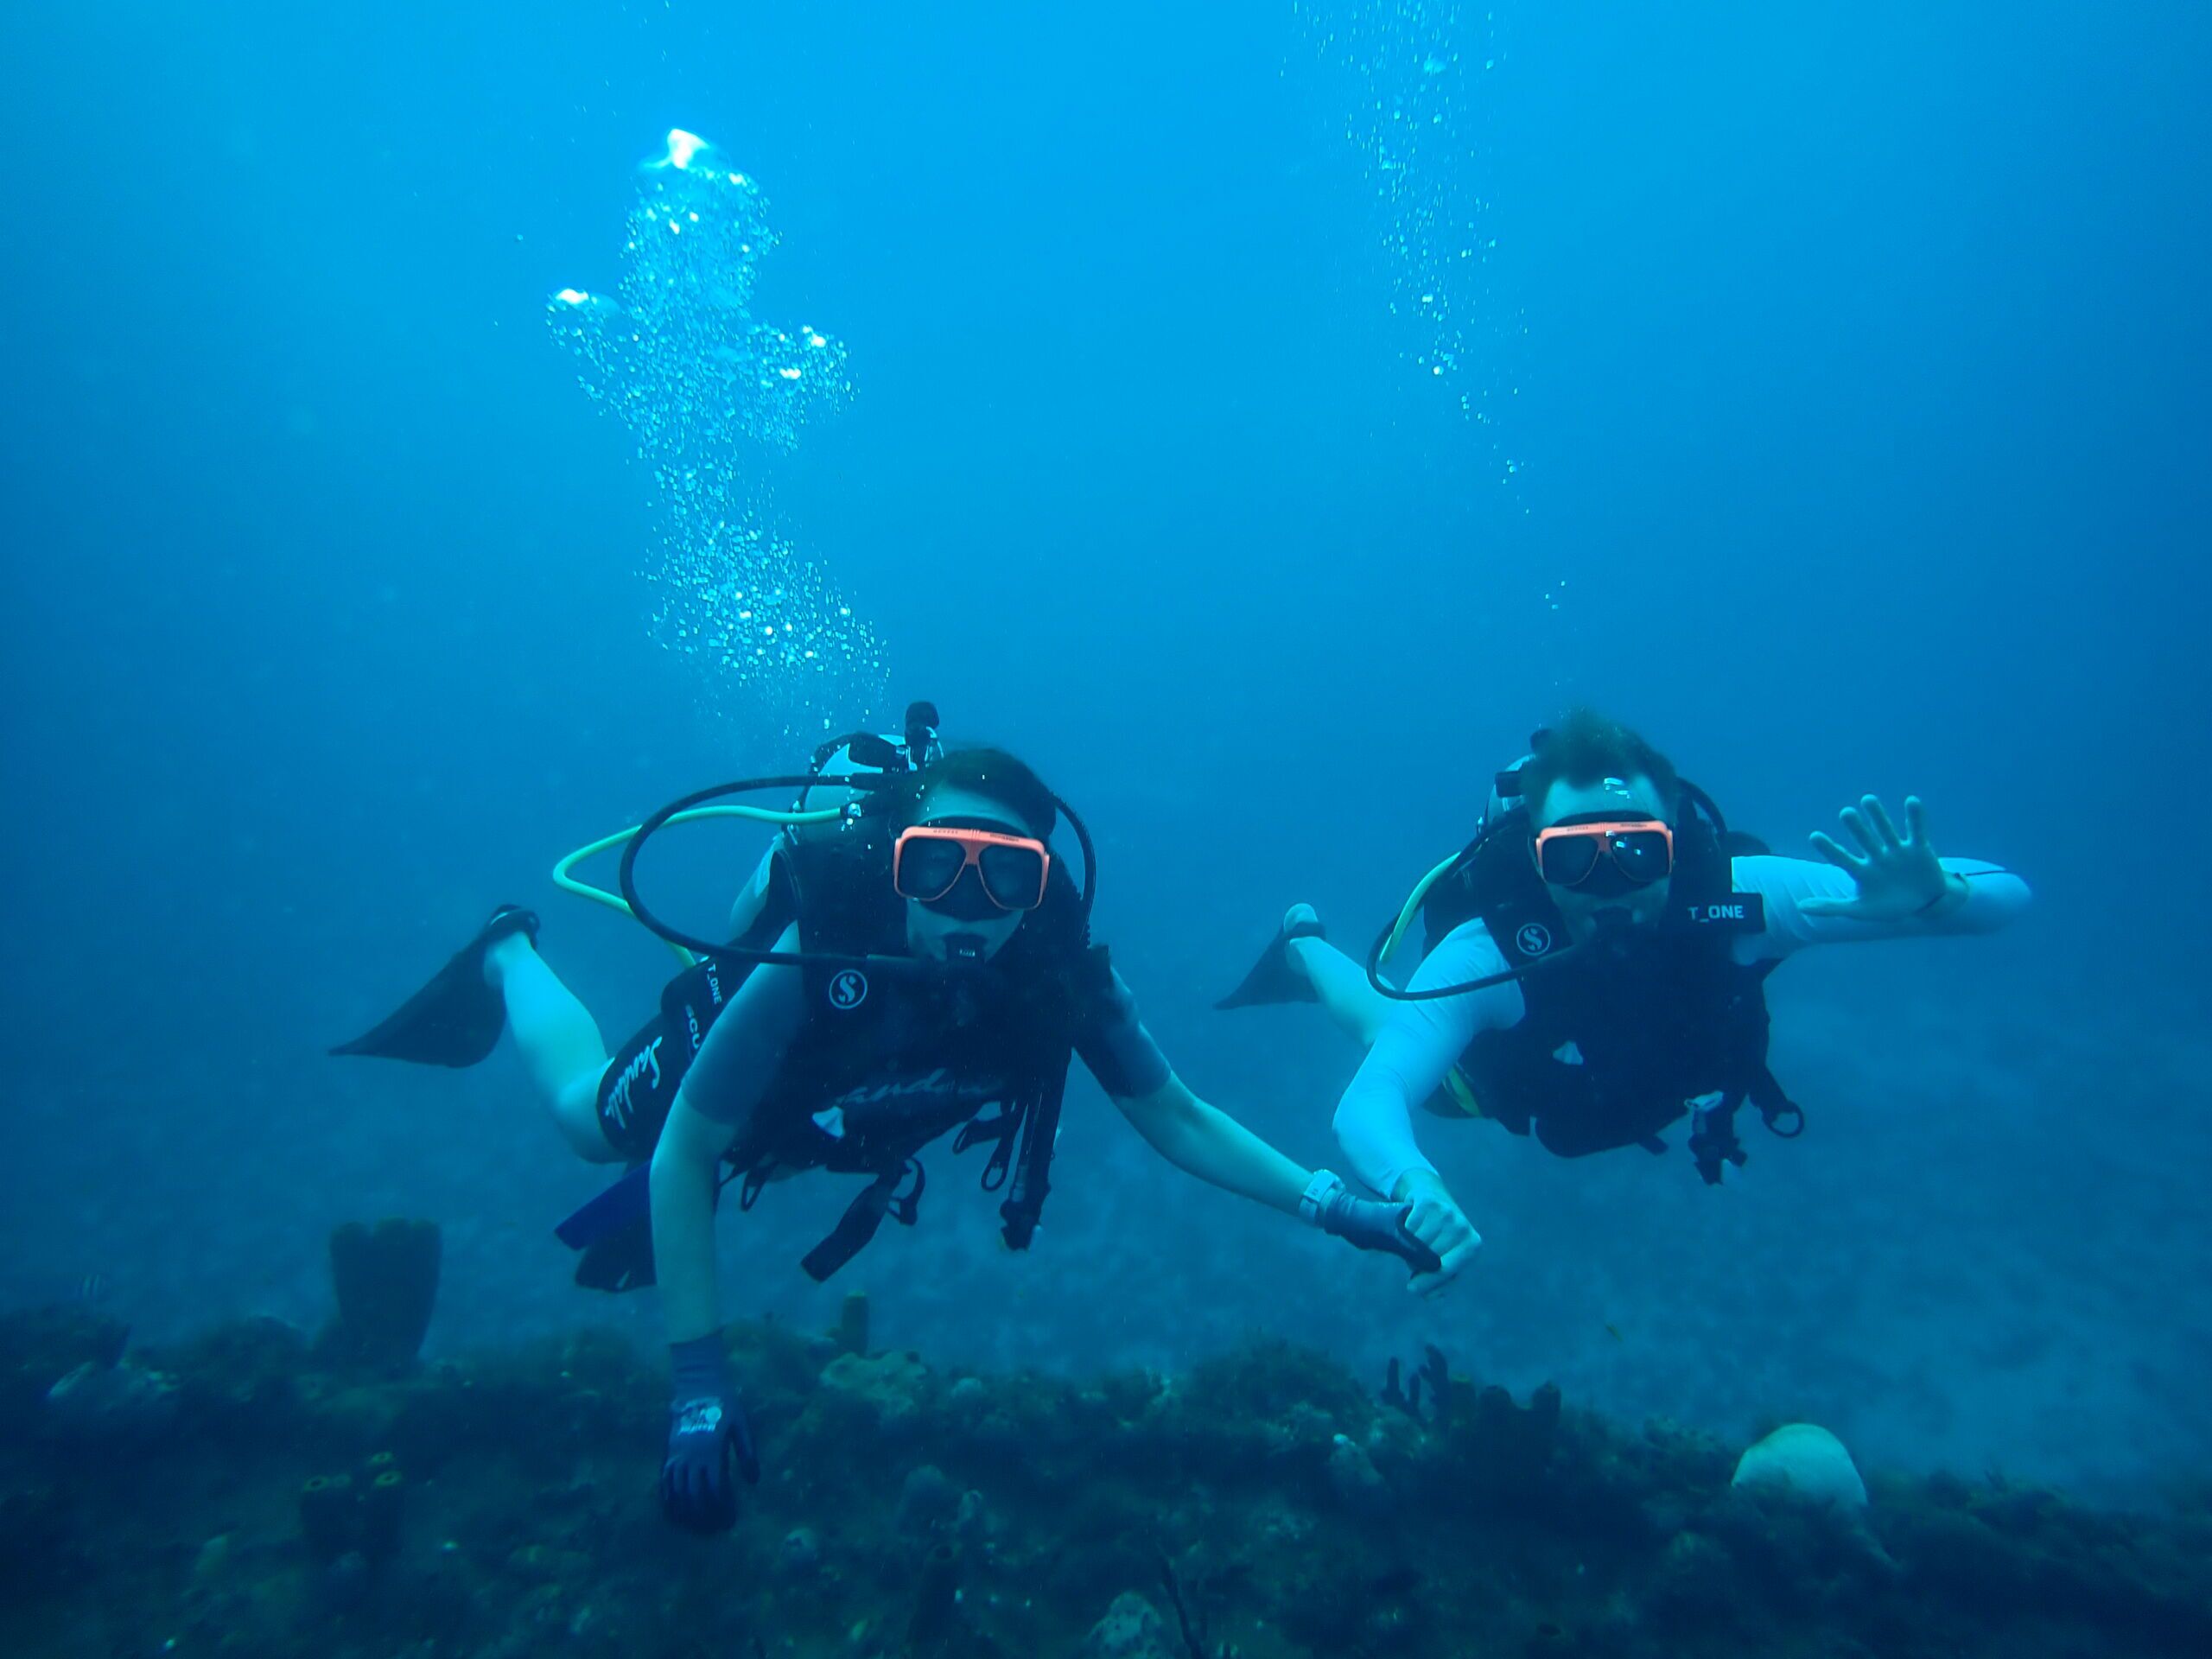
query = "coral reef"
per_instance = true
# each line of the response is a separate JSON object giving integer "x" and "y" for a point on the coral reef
{"x": 1262, "y": 1505}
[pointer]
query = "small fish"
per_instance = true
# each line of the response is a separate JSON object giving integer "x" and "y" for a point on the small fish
{"x": 1614, "y": 1331}
{"x": 92, "y": 1289}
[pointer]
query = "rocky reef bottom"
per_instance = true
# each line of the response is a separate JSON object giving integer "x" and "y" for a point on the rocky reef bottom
{"x": 253, "y": 1493}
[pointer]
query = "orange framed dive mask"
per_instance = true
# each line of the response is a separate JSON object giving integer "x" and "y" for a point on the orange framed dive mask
{"x": 1604, "y": 853}
{"x": 928, "y": 860}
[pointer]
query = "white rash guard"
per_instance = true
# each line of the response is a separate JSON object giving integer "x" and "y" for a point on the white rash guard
{"x": 1421, "y": 1041}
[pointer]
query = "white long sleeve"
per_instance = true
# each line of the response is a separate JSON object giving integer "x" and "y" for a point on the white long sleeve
{"x": 1422, "y": 1041}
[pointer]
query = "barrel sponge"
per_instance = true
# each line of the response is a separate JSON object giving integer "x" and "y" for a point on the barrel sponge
{"x": 1808, "y": 1460}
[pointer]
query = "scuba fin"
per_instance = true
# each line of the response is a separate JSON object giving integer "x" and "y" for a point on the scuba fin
{"x": 1274, "y": 978}
{"x": 456, "y": 1018}
{"x": 613, "y": 1234}
{"x": 614, "y": 1209}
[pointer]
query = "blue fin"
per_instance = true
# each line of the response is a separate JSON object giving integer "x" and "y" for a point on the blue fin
{"x": 616, "y": 1209}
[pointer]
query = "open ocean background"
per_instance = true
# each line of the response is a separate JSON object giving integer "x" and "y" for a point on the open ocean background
{"x": 1826, "y": 394}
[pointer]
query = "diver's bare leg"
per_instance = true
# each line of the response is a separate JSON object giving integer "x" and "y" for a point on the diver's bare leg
{"x": 558, "y": 1039}
{"x": 1341, "y": 983}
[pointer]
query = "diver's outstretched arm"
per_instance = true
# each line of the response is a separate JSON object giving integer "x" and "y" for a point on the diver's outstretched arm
{"x": 713, "y": 1106}
{"x": 687, "y": 1164}
{"x": 1193, "y": 1136}
{"x": 1888, "y": 884}
{"x": 1203, "y": 1140}
{"x": 1406, "y": 1063}
{"x": 709, "y": 1442}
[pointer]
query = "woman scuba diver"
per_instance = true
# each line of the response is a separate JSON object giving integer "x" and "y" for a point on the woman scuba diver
{"x": 922, "y": 967}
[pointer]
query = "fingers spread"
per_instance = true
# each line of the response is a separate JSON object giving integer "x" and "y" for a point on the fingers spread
{"x": 1836, "y": 854}
{"x": 1879, "y": 816}
{"x": 1916, "y": 821}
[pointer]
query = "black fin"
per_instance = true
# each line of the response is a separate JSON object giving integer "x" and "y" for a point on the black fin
{"x": 456, "y": 1018}
{"x": 1273, "y": 978}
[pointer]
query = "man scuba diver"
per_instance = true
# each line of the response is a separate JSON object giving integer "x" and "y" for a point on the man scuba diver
{"x": 1595, "y": 967}
{"x": 920, "y": 964}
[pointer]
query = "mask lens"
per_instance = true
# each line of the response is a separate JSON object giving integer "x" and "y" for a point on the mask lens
{"x": 1014, "y": 876}
{"x": 966, "y": 902}
{"x": 1566, "y": 860}
{"x": 1643, "y": 855}
{"x": 928, "y": 866}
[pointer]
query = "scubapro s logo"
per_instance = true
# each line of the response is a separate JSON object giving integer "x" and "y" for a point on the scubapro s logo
{"x": 849, "y": 989}
{"x": 1534, "y": 939}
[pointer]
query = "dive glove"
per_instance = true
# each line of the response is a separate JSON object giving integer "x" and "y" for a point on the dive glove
{"x": 707, "y": 1433}
{"x": 1364, "y": 1223}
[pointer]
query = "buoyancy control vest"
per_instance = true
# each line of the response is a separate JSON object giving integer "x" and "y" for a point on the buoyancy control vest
{"x": 886, "y": 1062}
{"x": 1626, "y": 1034}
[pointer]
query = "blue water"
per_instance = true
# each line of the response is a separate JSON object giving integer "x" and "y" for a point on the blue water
{"x": 1825, "y": 395}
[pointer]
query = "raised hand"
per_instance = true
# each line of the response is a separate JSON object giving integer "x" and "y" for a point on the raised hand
{"x": 1897, "y": 875}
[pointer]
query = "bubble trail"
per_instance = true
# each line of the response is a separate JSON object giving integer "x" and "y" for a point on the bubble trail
{"x": 704, "y": 388}
{"x": 1419, "y": 69}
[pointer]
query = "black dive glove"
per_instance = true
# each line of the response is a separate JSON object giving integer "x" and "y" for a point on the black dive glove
{"x": 1364, "y": 1223}
{"x": 707, "y": 1433}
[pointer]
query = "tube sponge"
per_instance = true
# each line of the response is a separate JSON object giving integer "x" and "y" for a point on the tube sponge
{"x": 386, "y": 1278}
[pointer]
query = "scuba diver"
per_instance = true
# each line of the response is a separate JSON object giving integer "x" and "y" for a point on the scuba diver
{"x": 1595, "y": 967}
{"x": 912, "y": 962}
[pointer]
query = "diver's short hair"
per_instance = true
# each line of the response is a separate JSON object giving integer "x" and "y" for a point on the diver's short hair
{"x": 997, "y": 776}
{"x": 1586, "y": 747}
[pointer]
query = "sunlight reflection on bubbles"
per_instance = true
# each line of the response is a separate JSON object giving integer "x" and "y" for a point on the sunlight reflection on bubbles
{"x": 677, "y": 357}
{"x": 1419, "y": 104}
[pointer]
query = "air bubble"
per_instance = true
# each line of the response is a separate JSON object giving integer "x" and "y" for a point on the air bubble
{"x": 1417, "y": 127}
{"x": 708, "y": 394}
